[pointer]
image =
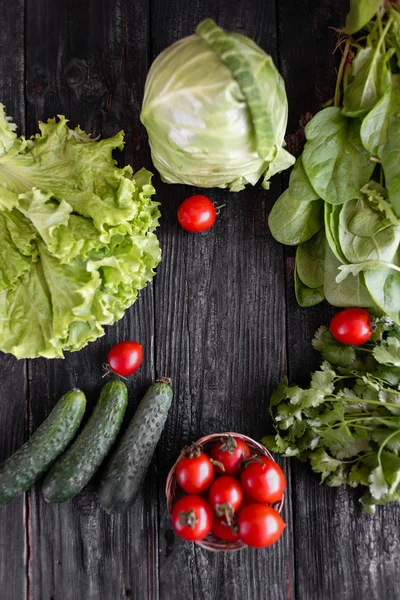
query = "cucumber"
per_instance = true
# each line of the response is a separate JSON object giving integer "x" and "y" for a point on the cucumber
{"x": 23, "y": 468}
{"x": 128, "y": 466}
{"x": 75, "y": 468}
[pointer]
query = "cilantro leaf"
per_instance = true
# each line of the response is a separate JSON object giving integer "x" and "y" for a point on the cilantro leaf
{"x": 318, "y": 340}
{"x": 377, "y": 483}
{"x": 343, "y": 443}
{"x": 323, "y": 381}
{"x": 388, "y": 352}
{"x": 323, "y": 463}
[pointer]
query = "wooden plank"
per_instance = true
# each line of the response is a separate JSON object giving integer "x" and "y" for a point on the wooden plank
{"x": 220, "y": 322}
{"x": 13, "y": 390}
{"x": 93, "y": 58}
{"x": 341, "y": 552}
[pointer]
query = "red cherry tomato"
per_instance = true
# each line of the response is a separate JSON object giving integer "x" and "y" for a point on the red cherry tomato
{"x": 194, "y": 471}
{"x": 225, "y": 497}
{"x": 247, "y": 500}
{"x": 263, "y": 480}
{"x": 230, "y": 452}
{"x": 125, "y": 358}
{"x": 351, "y": 326}
{"x": 223, "y": 531}
{"x": 260, "y": 525}
{"x": 197, "y": 214}
{"x": 192, "y": 518}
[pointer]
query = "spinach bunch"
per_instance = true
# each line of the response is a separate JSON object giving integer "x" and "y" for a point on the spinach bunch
{"x": 342, "y": 206}
{"x": 347, "y": 422}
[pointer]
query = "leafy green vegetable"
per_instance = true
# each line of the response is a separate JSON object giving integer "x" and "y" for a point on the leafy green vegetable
{"x": 344, "y": 291}
{"x": 361, "y": 11}
{"x": 388, "y": 353}
{"x": 299, "y": 184}
{"x": 347, "y": 422}
{"x": 331, "y": 221}
{"x": 292, "y": 221}
{"x": 310, "y": 258}
{"x": 215, "y": 110}
{"x": 346, "y": 145}
{"x": 371, "y": 78}
{"x": 384, "y": 286}
{"x": 76, "y": 238}
{"x": 334, "y": 158}
{"x": 307, "y": 296}
{"x": 365, "y": 233}
{"x": 374, "y": 128}
{"x": 381, "y": 134}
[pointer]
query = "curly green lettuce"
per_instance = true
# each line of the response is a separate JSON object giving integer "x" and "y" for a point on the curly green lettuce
{"x": 77, "y": 238}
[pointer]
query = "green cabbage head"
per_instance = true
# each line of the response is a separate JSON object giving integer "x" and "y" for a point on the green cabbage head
{"x": 215, "y": 110}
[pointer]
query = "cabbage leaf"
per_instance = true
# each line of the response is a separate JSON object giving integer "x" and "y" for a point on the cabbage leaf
{"x": 215, "y": 110}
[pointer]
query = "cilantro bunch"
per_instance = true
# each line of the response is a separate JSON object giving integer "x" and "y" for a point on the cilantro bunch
{"x": 347, "y": 422}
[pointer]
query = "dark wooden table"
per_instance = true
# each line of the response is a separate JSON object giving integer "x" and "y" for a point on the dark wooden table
{"x": 219, "y": 318}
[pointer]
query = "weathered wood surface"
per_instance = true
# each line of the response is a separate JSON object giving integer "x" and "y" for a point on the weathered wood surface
{"x": 13, "y": 374}
{"x": 220, "y": 318}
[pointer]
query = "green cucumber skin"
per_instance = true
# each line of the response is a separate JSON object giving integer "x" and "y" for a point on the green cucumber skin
{"x": 76, "y": 467}
{"x": 48, "y": 442}
{"x": 128, "y": 466}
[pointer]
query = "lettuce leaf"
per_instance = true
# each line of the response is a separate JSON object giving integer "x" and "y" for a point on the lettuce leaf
{"x": 77, "y": 238}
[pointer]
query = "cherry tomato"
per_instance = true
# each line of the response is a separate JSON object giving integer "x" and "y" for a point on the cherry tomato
{"x": 125, "y": 358}
{"x": 260, "y": 525}
{"x": 247, "y": 500}
{"x": 192, "y": 518}
{"x": 225, "y": 497}
{"x": 194, "y": 471}
{"x": 197, "y": 214}
{"x": 230, "y": 452}
{"x": 351, "y": 326}
{"x": 223, "y": 531}
{"x": 263, "y": 480}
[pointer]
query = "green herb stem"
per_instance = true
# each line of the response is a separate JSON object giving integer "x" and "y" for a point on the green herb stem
{"x": 333, "y": 398}
{"x": 336, "y": 101}
{"x": 384, "y": 443}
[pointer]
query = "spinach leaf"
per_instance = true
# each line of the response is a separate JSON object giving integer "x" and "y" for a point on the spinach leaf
{"x": 305, "y": 295}
{"x": 366, "y": 234}
{"x": 380, "y": 134}
{"x": 382, "y": 281}
{"x": 384, "y": 287}
{"x": 299, "y": 184}
{"x": 361, "y": 11}
{"x": 331, "y": 216}
{"x": 349, "y": 291}
{"x": 391, "y": 150}
{"x": 334, "y": 159}
{"x": 371, "y": 78}
{"x": 292, "y": 221}
{"x": 374, "y": 128}
{"x": 310, "y": 257}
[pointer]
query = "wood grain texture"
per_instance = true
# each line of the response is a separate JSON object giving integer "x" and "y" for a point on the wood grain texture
{"x": 340, "y": 551}
{"x": 13, "y": 388}
{"x": 220, "y": 321}
{"x": 93, "y": 60}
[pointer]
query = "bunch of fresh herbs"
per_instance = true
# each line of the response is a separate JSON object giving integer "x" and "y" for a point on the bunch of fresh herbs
{"x": 347, "y": 422}
{"x": 342, "y": 206}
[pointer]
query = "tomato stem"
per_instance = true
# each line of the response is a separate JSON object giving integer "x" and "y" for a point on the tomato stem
{"x": 188, "y": 518}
